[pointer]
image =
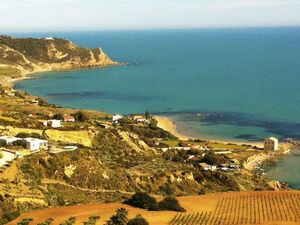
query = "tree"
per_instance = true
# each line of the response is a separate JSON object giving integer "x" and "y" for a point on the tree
{"x": 138, "y": 220}
{"x": 142, "y": 200}
{"x": 170, "y": 203}
{"x": 120, "y": 218}
{"x": 58, "y": 116}
{"x": 26, "y": 135}
{"x": 153, "y": 124}
{"x": 147, "y": 115}
{"x": 42, "y": 101}
{"x": 81, "y": 116}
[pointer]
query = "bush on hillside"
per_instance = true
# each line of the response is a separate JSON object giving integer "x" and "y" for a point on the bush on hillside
{"x": 120, "y": 218}
{"x": 214, "y": 159}
{"x": 138, "y": 220}
{"x": 26, "y": 135}
{"x": 42, "y": 101}
{"x": 170, "y": 204}
{"x": 4, "y": 219}
{"x": 142, "y": 200}
{"x": 81, "y": 116}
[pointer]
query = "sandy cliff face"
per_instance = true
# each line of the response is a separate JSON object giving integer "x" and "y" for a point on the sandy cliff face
{"x": 40, "y": 55}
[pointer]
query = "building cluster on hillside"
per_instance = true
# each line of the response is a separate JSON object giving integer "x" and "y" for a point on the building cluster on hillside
{"x": 32, "y": 144}
{"x": 55, "y": 123}
{"x": 138, "y": 119}
{"x": 233, "y": 167}
{"x": 186, "y": 148}
{"x": 141, "y": 119}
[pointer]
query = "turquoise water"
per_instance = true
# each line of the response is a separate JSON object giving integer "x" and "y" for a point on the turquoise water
{"x": 235, "y": 84}
{"x": 287, "y": 170}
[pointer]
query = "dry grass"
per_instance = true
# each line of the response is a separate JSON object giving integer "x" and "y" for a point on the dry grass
{"x": 74, "y": 137}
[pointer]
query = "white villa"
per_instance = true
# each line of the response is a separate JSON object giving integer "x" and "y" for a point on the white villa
{"x": 9, "y": 140}
{"x": 52, "y": 123}
{"x": 34, "y": 144}
{"x": 116, "y": 118}
{"x": 271, "y": 144}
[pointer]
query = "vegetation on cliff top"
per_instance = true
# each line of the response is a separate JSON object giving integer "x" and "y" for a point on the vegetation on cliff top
{"x": 19, "y": 56}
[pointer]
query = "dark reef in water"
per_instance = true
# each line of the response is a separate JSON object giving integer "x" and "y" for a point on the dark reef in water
{"x": 282, "y": 129}
{"x": 100, "y": 94}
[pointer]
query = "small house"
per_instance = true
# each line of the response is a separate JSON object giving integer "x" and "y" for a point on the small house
{"x": 8, "y": 140}
{"x": 141, "y": 119}
{"x": 271, "y": 144}
{"x": 35, "y": 144}
{"x": 69, "y": 118}
{"x": 116, "y": 118}
{"x": 54, "y": 123}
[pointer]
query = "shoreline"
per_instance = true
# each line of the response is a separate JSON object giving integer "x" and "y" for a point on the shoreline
{"x": 29, "y": 75}
{"x": 166, "y": 123}
{"x": 169, "y": 125}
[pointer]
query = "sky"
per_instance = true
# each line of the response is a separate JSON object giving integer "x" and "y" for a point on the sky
{"x": 58, "y": 15}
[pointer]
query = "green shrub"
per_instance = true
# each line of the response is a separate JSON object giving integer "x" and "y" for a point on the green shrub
{"x": 26, "y": 135}
{"x": 81, "y": 116}
{"x": 120, "y": 218}
{"x": 142, "y": 200}
{"x": 9, "y": 217}
{"x": 92, "y": 220}
{"x": 170, "y": 204}
{"x": 138, "y": 220}
{"x": 47, "y": 221}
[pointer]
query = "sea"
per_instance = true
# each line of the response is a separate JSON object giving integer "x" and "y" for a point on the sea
{"x": 238, "y": 84}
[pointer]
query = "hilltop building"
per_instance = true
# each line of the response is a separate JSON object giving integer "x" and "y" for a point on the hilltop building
{"x": 271, "y": 144}
{"x": 35, "y": 144}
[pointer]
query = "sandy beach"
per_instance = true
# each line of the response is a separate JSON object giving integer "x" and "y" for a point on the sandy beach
{"x": 167, "y": 124}
{"x": 170, "y": 126}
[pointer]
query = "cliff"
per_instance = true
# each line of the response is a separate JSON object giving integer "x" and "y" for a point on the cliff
{"x": 21, "y": 56}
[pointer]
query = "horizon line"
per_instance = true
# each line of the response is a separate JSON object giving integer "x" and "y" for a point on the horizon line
{"x": 151, "y": 29}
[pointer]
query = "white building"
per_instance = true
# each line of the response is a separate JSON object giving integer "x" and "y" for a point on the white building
{"x": 116, "y": 118}
{"x": 141, "y": 119}
{"x": 9, "y": 140}
{"x": 54, "y": 123}
{"x": 34, "y": 144}
{"x": 206, "y": 166}
{"x": 271, "y": 144}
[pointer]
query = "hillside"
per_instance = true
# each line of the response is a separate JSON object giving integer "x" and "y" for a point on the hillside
{"x": 21, "y": 56}
{"x": 112, "y": 161}
{"x": 93, "y": 158}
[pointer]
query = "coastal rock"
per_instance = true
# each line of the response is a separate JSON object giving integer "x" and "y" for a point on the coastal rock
{"x": 22, "y": 56}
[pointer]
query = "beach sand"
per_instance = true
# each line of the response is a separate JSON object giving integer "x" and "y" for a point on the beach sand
{"x": 170, "y": 126}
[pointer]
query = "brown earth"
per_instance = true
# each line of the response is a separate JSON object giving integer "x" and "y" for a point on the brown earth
{"x": 271, "y": 208}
